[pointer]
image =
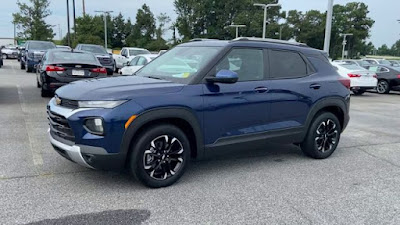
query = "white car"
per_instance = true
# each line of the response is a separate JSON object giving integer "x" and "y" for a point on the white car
{"x": 360, "y": 78}
{"x": 136, "y": 63}
{"x": 126, "y": 55}
{"x": 9, "y": 52}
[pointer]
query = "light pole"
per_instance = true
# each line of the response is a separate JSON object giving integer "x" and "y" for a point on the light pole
{"x": 83, "y": 8}
{"x": 266, "y": 6}
{"x": 344, "y": 42}
{"x": 69, "y": 28}
{"x": 105, "y": 13}
{"x": 328, "y": 28}
{"x": 237, "y": 28}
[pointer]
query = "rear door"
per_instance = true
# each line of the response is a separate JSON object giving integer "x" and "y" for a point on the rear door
{"x": 291, "y": 89}
{"x": 240, "y": 109}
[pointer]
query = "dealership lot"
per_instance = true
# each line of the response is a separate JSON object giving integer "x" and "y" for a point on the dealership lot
{"x": 359, "y": 184}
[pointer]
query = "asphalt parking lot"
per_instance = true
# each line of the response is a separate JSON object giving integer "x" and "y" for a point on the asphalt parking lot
{"x": 359, "y": 184}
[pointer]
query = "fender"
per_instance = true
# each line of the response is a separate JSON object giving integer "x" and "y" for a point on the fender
{"x": 163, "y": 113}
{"x": 329, "y": 102}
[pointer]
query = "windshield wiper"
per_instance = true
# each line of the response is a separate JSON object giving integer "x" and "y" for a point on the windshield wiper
{"x": 152, "y": 77}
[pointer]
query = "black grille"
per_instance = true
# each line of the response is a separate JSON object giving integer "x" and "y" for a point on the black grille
{"x": 59, "y": 126}
{"x": 71, "y": 104}
{"x": 104, "y": 60}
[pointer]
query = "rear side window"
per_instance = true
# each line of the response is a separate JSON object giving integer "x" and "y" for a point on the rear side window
{"x": 287, "y": 64}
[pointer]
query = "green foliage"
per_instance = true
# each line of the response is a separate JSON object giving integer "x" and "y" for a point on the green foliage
{"x": 31, "y": 20}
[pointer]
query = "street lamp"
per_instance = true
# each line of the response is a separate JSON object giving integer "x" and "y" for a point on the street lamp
{"x": 105, "y": 13}
{"x": 266, "y": 6}
{"x": 344, "y": 42}
{"x": 328, "y": 28}
{"x": 237, "y": 28}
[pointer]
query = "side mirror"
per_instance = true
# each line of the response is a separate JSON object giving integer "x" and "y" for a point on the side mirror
{"x": 125, "y": 64}
{"x": 224, "y": 76}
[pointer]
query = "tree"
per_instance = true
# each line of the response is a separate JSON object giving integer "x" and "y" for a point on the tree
{"x": 395, "y": 50}
{"x": 31, "y": 20}
{"x": 384, "y": 50}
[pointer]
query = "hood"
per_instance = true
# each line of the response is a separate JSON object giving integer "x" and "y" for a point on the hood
{"x": 116, "y": 88}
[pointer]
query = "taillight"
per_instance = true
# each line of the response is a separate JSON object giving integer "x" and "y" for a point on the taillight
{"x": 99, "y": 70}
{"x": 398, "y": 76}
{"x": 345, "y": 82}
{"x": 353, "y": 75}
{"x": 375, "y": 76}
{"x": 54, "y": 69}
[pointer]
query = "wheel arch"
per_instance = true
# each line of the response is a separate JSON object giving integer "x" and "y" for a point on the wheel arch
{"x": 181, "y": 117}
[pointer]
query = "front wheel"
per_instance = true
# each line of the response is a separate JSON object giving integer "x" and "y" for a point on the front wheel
{"x": 323, "y": 136}
{"x": 383, "y": 87}
{"x": 4, "y": 56}
{"x": 160, "y": 155}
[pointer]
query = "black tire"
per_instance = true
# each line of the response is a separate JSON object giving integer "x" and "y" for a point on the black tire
{"x": 155, "y": 176}
{"x": 22, "y": 65}
{"x": 28, "y": 69}
{"x": 44, "y": 93}
{"x": 115, "y": 67}
{"x": 358, "y": 92}
{"x": 383, "y": 87}
{"x": 320, "y": 136}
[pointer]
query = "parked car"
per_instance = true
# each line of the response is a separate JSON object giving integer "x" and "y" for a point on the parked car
{"x": 357, "y": 62}
{"x": 9, "y": 52}
{"x": 59, "y": 67}
{"x": 64, "y": 47}
{"x": 395, "y": 63}
{"x": 126, "y": 55}
{"x": 388, "y": 78}
{"x": 162, "y": 52}
{"x": 21, "y": 52}
{"x": 105, "y": 58}
{"x": 33, "y": 53}
{"x": 137, "y": 63}
{"x": 378, "y": 62}
{"x": 361, "y": 78}
{"x": 155, "y": 121}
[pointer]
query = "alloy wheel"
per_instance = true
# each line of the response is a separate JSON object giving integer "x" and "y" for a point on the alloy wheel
{"x": 326, "y": 135}
{"x": 164, "y": 157}
{"x": 382, "y": 87}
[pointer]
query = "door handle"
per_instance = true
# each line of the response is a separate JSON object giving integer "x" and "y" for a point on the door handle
{"x": 315, "y": 86}
{"x": 261, "y": 89}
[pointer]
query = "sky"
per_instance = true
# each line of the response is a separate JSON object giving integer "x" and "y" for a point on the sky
{"x": 386, "y": 29}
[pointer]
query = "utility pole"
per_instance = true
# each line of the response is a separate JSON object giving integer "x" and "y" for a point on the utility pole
{"x": 266, "y": 6}
{"x": 59, "y": 31}
{"x": 328, "y": 28}
{"x": 237, "y": 28}
{"x": 105, "y": 13}
{"x": 73, "y": 5}
{"x": 280, "y": 32}
{"x": 69, "y": 29}
{"x": 344, "y": 42}
{"x": 83, "y": 8}
{"x": 15, "y": 35}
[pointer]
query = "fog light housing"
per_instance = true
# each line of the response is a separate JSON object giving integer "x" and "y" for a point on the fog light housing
{"x": 94, "y": 126}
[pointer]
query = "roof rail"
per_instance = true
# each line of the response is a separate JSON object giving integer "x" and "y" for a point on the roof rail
{"x": 203, "y": 39}
{"x": 270, "y": 41}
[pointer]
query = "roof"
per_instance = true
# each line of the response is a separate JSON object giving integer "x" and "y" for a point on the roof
{"x": 134, "y": 48}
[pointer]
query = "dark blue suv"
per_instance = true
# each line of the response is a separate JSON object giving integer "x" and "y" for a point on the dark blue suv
{"x": 200, "y": 97}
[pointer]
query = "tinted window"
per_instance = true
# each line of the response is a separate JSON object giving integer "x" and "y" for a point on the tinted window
{"x": 286, "y": 64}
{"x": 41, "y": 45}
{"x": 247, "y": 63}
{"x": 93, "y": 49}
{"x": 138, "y": 52}
{"x": 61, "y": 56}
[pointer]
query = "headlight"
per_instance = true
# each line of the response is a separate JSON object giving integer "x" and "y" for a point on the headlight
{"x": 94, "y": 126}
{"x": 100, "y": 104}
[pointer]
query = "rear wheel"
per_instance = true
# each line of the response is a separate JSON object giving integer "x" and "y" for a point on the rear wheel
{"x": 323, "y": 136}
{"x": 358, "y": 92}
{"x": 383, "y": 87}
{"x": 160, "y": 155}
{"x": 28, "y": 69}
{"x": 22, "y": 65}
{"x": 44, "y": 93}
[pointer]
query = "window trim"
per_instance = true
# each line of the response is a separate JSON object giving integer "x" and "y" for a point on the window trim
{"x": 266, "y": 71}
{"x": 310, "y": 70}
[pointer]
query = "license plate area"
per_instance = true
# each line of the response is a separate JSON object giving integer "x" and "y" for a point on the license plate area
{"x": 78, "y": 73}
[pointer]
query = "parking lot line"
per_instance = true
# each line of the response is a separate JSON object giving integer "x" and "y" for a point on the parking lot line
{"x": 36, "y": 154}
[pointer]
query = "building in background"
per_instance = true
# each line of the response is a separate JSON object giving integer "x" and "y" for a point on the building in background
{"x": 6, "y": 41}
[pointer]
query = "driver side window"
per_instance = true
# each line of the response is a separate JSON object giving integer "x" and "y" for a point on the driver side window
{"x": 142, "y": 61}
{"x": 134, "y": 61}
{"x": 247, "y": 63}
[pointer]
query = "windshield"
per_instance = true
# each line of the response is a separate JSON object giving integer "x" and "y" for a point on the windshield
{"x": 41, "y": 45}
{"x": 384, "y": 62}
{"x": 72, "y": 57}
{"x": 93, "y": 49}
{"x": 138, "y": 52}
{"x": 180, "y": 64}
